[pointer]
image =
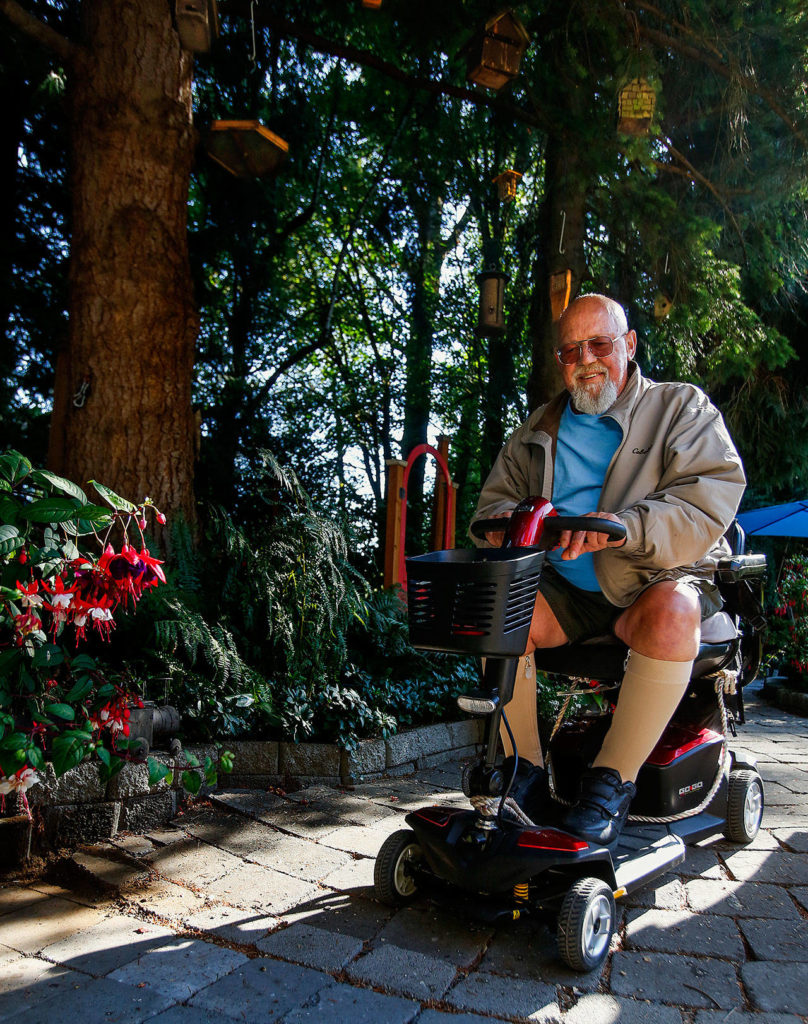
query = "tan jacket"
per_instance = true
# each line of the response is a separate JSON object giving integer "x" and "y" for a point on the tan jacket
{"x": 676, "y": 481}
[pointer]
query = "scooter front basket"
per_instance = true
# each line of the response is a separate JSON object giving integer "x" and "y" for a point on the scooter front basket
{"x": 473, "y": 601}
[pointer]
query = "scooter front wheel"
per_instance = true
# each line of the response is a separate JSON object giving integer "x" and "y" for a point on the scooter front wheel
{"x": 394, "y": 880}
{"x": 586, "y": 924}
{"x": 744, "y": 806}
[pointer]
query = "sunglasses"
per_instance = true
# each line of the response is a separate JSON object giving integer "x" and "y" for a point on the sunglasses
{"x": 600, "y": 347}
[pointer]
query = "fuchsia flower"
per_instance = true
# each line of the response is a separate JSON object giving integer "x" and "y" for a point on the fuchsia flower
{"x": 30, "y": 598}
{"x": 26, "y": 623}
{"x": 19, "y": 782}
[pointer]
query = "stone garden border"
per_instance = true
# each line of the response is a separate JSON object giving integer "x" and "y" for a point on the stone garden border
{"x": 78, "y": 808}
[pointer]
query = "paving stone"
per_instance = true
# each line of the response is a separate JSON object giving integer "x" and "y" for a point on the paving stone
{"x": 795, "y": 837}
{"x": 438, "y": 1017}
{"x": 261, "y": 990}
{"x": 701, "y": 862}
{"x": 312, "y": 947}
{"x": 603, "y": 1009}
{"x": 343, "y": 914}
{"x": 307, "y": 822}
{"x": 790, "y": 777}
{"x": 775, "y": 794}
{"x": 354, "y": 839}
{"x": 166, "y": 899}
{"x": 179, "y": 968}
{"x": 244, "y": 927}
{"x": 300, "y": 858}
{"x": 95, "y": 999}
{"x": 251, "y": 885}
{"x": 740, "y": 899}
{"x": 679, "y": 931}
{"x": 403, "y": 971}
{"x": 186, "y": 1015}
{"x": 43, "y": 923}
{"x": 765, "y": 866}
{"x": 255, "y": 803}
{"x": 685, "y": 981}
{"x": 234, "y": 833}
{"x": 775, "y": 986}
{"x": 800, "y": 893}
{"x": 666, "y": 895}
{"x": 742, "y": 1017}
{"x": 356, "y": 1006}
{"x": 355, "y": 877}
{"x": 778, "y": 940}
{"x": 135, "y": 846}
{"x": 110, "y": 943}
{"x": 509, "y": 997}
{"x": 527, "y": 949}
{"x": 436, "y": 932}
{"x": 27, "y": 981}
{"x": 18, "y": 897}
{"x": 192, "y": 861}
{"x": 114, "y": 873}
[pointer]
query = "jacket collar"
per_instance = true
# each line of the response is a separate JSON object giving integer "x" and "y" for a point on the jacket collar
{"x": 546, "y": 419}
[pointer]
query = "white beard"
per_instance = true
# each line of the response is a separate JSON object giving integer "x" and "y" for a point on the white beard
{"x": 594, "y": 403}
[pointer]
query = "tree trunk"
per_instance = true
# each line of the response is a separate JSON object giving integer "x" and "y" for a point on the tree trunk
{"x": 563, "y": 227}
{"x": 133, "y": 322}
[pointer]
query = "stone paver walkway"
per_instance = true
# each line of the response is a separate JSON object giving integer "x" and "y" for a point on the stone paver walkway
{"x": 256, "y": 907}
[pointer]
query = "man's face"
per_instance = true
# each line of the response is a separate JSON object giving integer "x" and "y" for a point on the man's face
{"x": 595, "y": 382}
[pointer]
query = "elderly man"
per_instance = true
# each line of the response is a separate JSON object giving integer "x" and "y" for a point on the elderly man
{"x": 657, "y": 458}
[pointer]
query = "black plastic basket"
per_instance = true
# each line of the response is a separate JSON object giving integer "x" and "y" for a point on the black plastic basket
{"x": 473, "y": 601}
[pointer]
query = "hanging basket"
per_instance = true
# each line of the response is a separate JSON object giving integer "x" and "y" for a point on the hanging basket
{"x": 636, "y": 104}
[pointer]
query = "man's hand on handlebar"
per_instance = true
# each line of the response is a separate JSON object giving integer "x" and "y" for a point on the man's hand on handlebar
{"x": 580, "y": 543}
{"x": 494, "y": 537}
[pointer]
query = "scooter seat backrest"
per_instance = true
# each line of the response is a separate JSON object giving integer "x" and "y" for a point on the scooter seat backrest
{"x": 718, "y": 628}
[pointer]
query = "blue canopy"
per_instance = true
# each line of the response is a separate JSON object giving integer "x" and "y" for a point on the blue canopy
{"x": 789, "y": 520}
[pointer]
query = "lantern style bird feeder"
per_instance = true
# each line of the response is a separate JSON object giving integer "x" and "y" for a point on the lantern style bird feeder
{"x": 560, "y": 287}
{"x": 636, "y": 107}
{"x": 507, "y": 183}
{"x": 491, "y": 316}
{"x": 246, "y": 148}
{"x": 497, "y": 53}
{"x": 197, "y": 24}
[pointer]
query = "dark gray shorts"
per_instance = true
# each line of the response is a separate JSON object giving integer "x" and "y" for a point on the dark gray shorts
{"x": 585, "y": 613}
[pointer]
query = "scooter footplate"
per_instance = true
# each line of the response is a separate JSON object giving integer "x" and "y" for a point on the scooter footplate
{"x": 643, "y": 853}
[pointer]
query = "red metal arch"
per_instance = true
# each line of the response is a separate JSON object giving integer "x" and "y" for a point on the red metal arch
{"x": 448, "y": 518}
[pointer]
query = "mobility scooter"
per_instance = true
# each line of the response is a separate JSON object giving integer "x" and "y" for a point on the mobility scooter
{"x": 692, "y": 787}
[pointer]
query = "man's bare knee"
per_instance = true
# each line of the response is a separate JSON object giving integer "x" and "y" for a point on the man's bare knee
{"x": 544, "y": 628}
{"x": 663, "y": 622}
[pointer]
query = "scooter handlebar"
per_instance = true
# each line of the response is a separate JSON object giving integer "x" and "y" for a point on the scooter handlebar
{"x": 577, "y": 524}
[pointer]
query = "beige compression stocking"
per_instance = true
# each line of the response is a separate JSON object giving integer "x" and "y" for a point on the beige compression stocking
{"x": 649, "y": 696}
{"x": 521, "y": 712}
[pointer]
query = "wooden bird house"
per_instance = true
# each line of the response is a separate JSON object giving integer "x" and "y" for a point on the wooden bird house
{"x": 560, "y": 287}
{"x": 636, "y": 104}
{"x": 197, "y": 24}
{"x": 495, "y": 55}
{"x": 507, "y": 183}
{"x": 374, "y": 5}
{"x": 663, "y": 304}
{"x": 491, "y": 315}
{"x": 246, "y": 148}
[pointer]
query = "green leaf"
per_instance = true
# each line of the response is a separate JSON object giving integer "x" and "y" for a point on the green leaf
{"x": 48, "y": 656}
{"x": 60, "y": 483}
{"x": 83, "y": 663}
{"x": 13, "y": 466}
{"x": 115, "y": 500}
{"x": 52, "y": 510}
{"x": 9, "y": 508}
{"x": 69, "y": 750}
{"x": 63, "y": 711}
{"x": 157, "y": 771}
{"x": 79, "y": 690}
{"x": 95, "y": 514}
{"x": 10, "y": 539}
{"x": 104, "y": 755}
{"x": 192, "y": 782}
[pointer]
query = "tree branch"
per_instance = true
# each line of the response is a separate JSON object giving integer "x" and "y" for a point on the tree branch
{"x": 39, "y": 31}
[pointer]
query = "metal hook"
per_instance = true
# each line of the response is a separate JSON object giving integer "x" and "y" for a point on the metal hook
{"x": 80, "y": 396}
{"x": 561, "y": 249}
{"x": 252, "y": 29}
{"x": 667, "y": 257}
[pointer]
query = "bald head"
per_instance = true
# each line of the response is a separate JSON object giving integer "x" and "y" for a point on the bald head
{"x": 597, "y": 304}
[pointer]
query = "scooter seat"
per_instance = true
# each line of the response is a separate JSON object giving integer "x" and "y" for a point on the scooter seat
{"x": 604, "y": 658}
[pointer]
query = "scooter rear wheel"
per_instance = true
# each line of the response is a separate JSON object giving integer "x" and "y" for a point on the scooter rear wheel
{"x": 744, "y": 806}
{"x": 393, "y": 879}
{"x": 586, "y": 924}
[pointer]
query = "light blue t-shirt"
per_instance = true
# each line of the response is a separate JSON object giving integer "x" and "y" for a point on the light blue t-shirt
{"x": 584, "y": 450}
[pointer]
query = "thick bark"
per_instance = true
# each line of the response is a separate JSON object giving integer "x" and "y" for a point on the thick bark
{"x": 563, "y": 227}
{"x": 132, "y": 318}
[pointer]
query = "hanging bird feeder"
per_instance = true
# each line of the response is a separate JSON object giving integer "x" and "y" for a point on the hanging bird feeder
{"x": 636, "y": 104}
{"x": 663, "y": 304}
{"x": 491, "y": 315}
{"x": 374, "y": 5}
{"x": 560, "y": 287}
{"x": 246, "y": 148}
{"x": 507, "y": 183}
{"x": 496, "y": 54}
{"x": 197, "y": 24}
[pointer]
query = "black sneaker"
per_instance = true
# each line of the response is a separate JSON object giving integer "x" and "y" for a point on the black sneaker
{"x": 602, "y": 807}
{"x": 530, "y": 789}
